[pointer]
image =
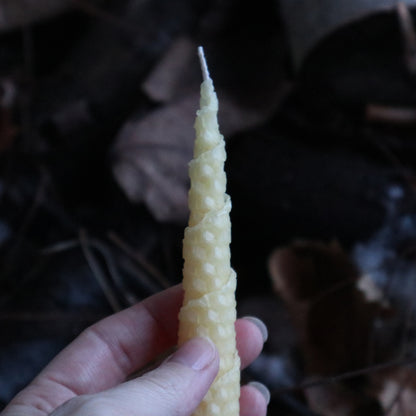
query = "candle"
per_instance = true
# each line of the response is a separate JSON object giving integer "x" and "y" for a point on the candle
{"x": 209, "y": 281}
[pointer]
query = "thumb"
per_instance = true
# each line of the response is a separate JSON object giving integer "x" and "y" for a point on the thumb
{"x": 174, "y": 388}
{"x": 179, "y": 384}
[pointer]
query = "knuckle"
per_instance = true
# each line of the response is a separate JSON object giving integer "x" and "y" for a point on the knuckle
{"x": 86, "y": 405}
{"x": 98, "y": 405}
{"x": 169, "y": 391}
{"x": 167, "y": 386}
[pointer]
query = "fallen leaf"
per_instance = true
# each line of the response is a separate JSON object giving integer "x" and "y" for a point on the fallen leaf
{"x": 175, "y": 74}
{"x": 318, "y": 283}
{"x": 398, "y": 391}
{"x": 17, "y": 13}
{"x": 339, "y": 400}
{"x": 151, "y": 155}
{"x": 151, "y": 159}
{"x": 309, "y": 21}
{"x": 333, "y": 320}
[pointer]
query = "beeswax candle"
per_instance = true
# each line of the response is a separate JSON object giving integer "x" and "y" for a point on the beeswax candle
{"x": 209, "y": 281}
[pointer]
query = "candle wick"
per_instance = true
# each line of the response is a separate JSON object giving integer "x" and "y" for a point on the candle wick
{"x": 204, "y": 67}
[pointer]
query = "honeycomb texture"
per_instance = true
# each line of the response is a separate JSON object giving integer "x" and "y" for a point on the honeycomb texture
{"x": 209, "y": 307}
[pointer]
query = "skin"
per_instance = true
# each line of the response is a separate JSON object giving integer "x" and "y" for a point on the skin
{"x": 89, "y": 376}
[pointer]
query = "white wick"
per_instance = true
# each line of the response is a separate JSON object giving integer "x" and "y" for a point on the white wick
{"x": 204, "y": 67}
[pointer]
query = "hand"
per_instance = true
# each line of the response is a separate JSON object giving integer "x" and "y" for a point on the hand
{"x": 89, "y": 376}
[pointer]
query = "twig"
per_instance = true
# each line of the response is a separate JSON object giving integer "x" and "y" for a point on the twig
{"x": 134, "y": 270}
{"x": 113, "y": 271}
{"x": 98, "y": 273}
{"x": 409, "y": 36}
{"x": 387, "y": 114}
{"x": 169, "y": 261}
{"x": 52, "y": 316}
{"x": 337, "y": 287}
{"x": 107, "y": 256}
{"x": 346, "y": 376}
{"x": 139, "y": 259}
{"x": 27, "y": 98}
{"x": 60, "y": 246}
{"x": 27, "y": 220}
{"x": 394, "y": 161}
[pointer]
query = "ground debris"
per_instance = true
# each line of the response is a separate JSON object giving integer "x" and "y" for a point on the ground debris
{"x": 97, "y": 106}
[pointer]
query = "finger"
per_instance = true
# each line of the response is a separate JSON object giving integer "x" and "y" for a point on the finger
{"x": 110, "y": 350}
{"x": 174, "y": 388}
{"x": 254, "y": 400}
{"x": 106, "y": 353}
{"x": 251, "y": 334}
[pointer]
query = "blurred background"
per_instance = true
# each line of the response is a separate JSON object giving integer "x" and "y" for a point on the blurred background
{"x": 318, "y": 107}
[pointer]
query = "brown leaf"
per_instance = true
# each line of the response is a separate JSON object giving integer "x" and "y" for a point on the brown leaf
{"x": 152, "y": 154}
{"x": 176, "y": 74}
{"x": 151, "y": 159}
{"x": 334, "y": 322}
{"x": 398, "y": 391}
{"x": 309, "y": 21}
{"x": 332, "y": 317}
{"x": 16, "y": 13}
{"x": 339, "y": 400}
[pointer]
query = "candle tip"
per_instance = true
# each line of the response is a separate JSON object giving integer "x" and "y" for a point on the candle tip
{"x": 204, "y": 67}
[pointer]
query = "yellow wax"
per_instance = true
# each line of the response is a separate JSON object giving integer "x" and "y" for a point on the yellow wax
{"x": 208, "y": 279}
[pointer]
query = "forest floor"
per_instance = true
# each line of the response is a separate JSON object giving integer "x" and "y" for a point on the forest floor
{"x": 97, "y": 106}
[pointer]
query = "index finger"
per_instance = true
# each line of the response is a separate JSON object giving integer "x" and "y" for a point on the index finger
{"x": 106, "y": 353}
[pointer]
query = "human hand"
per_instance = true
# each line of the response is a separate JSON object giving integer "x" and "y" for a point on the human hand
{"x": 89, "y": 376}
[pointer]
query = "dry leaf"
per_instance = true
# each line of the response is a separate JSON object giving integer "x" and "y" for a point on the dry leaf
{"x": 339, "y": 400}
{"x": 175, "y": 73}
{"x": 334, "y": 321}
{"x": 332, "y": 317}
{"x": 309, "y": 21}
{"x": 17, "y": 13}
{"x": 151, "y": 155}
{"x": 398, "y": 391}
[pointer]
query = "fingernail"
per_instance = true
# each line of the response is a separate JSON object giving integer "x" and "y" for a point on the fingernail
{"x": 260, "y": 325}
{"x": 197, "y": 353}
{"x": 262, "y": 389}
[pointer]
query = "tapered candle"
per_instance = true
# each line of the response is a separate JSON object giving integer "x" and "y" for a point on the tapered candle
{"x": 209, "y": 282}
